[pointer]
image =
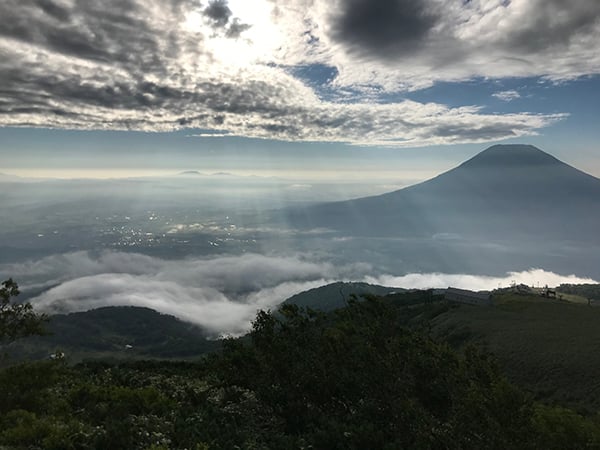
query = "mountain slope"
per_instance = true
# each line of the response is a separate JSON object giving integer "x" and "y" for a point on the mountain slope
{"x": 546, "y": 346}
{"x": 117, "y": 332}
{"x": 506, "y": 191}
{"x": 336, "y": 295}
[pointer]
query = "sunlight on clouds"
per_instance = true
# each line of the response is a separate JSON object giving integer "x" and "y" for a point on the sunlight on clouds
{"x": 227, "y": 65}
{"x": 194, "y": 22}
{"x": 257, "y": 43}
{"x": 263, "y": 36}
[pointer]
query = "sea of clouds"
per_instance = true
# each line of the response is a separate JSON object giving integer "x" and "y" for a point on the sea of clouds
{"x": 221, "y": 294}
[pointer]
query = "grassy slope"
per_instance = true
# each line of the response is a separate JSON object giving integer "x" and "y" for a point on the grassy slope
{"x": 336, "y": 295}
{"x": 549, "y": 347}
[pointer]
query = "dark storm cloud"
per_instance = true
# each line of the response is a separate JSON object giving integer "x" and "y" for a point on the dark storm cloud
{"x": 383, "y": 27}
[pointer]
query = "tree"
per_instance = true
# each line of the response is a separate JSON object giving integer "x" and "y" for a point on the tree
{"x": 359, "y": 378}
{"x": 17, "y": 320}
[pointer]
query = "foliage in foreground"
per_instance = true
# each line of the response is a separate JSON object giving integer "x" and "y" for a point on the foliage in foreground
{"x": 17, "y": 320}
{"x": 351, "y": 379}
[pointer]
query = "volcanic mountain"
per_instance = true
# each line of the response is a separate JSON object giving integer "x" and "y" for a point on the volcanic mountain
{"x": 506, "y": 191}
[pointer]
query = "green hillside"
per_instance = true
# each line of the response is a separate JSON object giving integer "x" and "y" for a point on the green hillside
{"x": 355, "y": 378}
{"x": 549, "y": 347}
{"x": 124, "y": 332}
{"x": 336, "y": 295}
{"x": 588, "y": 291}
{"x": 406, "y": 370}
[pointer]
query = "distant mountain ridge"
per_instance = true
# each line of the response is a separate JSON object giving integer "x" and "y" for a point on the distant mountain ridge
{"x": 7, "y": 178}
{"x": 191, "y": 173}
{"x": 505, "y": 191}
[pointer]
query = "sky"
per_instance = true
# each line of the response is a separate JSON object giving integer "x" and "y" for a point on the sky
{"x": 301, "y": 88}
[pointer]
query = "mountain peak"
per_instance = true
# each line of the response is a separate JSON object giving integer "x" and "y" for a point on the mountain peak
{"x": 511, "y": 155}
{"x": 190, "y": 173}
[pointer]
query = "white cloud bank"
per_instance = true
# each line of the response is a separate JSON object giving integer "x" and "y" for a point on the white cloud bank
{"x": 221, "y": 294}
{"x": 159, "y": 65}
{"x": 532, "y": 277}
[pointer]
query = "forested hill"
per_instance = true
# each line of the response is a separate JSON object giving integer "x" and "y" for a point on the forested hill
{"x": 366, "y": 376}
{"x": 337, "y": 295}
{"x": 122, "y": 332}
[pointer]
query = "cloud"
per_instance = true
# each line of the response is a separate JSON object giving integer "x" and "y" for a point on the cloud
{"x": 167, "y": 65}
{"x": 383, "y": 27}
{"x": 507, "y": 96}
{"x": 407, "y": 45}
{"x": 553, "y": 24}
{"x": 476, "y": 282}
{"x": 221, "y": 294}
{"x": 111, "y": 33}
{"x": 204, "y": 306}
{"x": 219, "y": 12}
{"x": 208, "y": 135}
{"x": 236, "y": 28}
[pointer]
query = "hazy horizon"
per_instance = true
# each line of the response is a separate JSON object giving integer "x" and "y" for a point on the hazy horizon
{"x": 102, "y": 105}
{"x": 212, "y": 249}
